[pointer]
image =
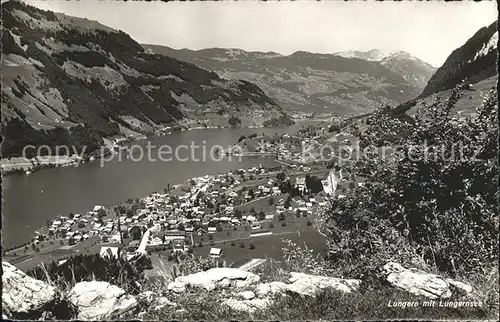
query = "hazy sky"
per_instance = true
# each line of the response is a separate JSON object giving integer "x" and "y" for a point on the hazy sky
{"x": 429, "y": 30}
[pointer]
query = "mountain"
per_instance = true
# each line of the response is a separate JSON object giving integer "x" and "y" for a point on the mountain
{"x": 474, "y": 64}
{"x": 304, "y": 81}
{"x": 372, "y": 55}
{"x": 72, "y": 81}
{"x": 411, "y": 68}
{"x": 475, "y": 61}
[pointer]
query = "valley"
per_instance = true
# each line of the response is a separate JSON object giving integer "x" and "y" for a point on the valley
{"x": 145, "y": 182}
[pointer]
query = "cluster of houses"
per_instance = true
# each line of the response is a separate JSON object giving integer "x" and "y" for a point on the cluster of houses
{"x": 206, "y": 202}
{"x": 202, "y": 206}
{"x": 76, "y": 227}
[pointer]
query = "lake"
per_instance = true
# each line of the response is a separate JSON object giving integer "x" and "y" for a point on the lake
{"x": 30, "y": 200}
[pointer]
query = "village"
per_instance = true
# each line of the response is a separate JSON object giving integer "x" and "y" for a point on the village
{"x": 222, "y": 216}
{"x": 238, "y": 216}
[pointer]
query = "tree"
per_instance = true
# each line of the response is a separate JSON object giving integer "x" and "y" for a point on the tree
{"x": 251, "y": 246}
{"x": 71, "y": 241}
{"x": 71, "y": 215}
{"x": 237, "y": 213}
{"x": 405, "y": 205}
{"x": 135, "y": 232}
{"x": 234, "y": 121}
{"x": 262, "y": 215}
{"x": 200, "y": 244}
{"x": 287, "y": 202}
{"x": 280, "y": 176}
{"x": 309, "y": 223}
{"x": 233, "y": 243}
{"x": 241, "y": 138}
{"x": 271, "y": 226}
{"x": 271, "y": 201}
{"x": 281, "y": 217}
{"x": 219, "y": 228}
{"x": 313, "y": 184}
{"x": 242, "y": 245}
{"x": 101, "y": 213}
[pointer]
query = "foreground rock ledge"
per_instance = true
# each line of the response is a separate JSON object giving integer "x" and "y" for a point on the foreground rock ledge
{"x": 423, "y": 283}
{"x": 22, "y": 294}
{"x": 100, "y": 300}
{"x": 214, "y": 278}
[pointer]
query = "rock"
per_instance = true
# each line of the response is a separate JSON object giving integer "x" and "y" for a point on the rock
{"x": 176, "y": 287}
{"x": 247, "y": 305}
{"x": 154, "y": 300}
{"x": 100, "y": 300}
{"x": 310, "y": 285}
{"x": 422, "y": 283}
{"x": 246, "y": 295}
{"x": 147, "y": 296}
{"x": 267, "y": 289}
{"x": 214, "y": 278}
{"x": 161, "y": 302}
{"x": 224, "y": 283}
{"x": 24, "y": 296}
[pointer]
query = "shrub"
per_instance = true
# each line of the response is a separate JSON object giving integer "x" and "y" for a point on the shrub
{"x": 435, "y": 210}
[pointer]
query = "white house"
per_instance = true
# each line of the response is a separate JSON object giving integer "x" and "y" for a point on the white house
{"x": 215, "y": 252}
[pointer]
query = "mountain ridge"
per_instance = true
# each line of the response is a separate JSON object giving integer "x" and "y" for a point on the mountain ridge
{"x": 72, "y": 81}
{"x": 304, "y": 81}
{"x": 475, "y": 61}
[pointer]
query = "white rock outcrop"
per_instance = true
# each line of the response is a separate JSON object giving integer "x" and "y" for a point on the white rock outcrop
{"x": 246, "y": 295}
{"x": 214, "y": 278}
{"x": 310, "y": 285}
{"x": 268, "y": 289}
{"x": 154, "y": 300}
{"x": 100, "y": 300}
{"x": 247, "y": 305}
{"x": 22, "y": 293}
{"x": 422, "y": 283}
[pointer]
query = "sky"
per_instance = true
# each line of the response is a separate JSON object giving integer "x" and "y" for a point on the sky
{"x": 428, "y": 30}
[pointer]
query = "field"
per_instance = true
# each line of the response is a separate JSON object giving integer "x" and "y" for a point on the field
{"x": 268, "y": 246}
{"x": 468, "y": 102}
{"x": 53, "y": 252}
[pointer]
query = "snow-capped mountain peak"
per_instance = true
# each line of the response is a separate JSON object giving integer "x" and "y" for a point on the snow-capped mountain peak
{"x": 401, "y": 62}
{"x": 371, "y": 55}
